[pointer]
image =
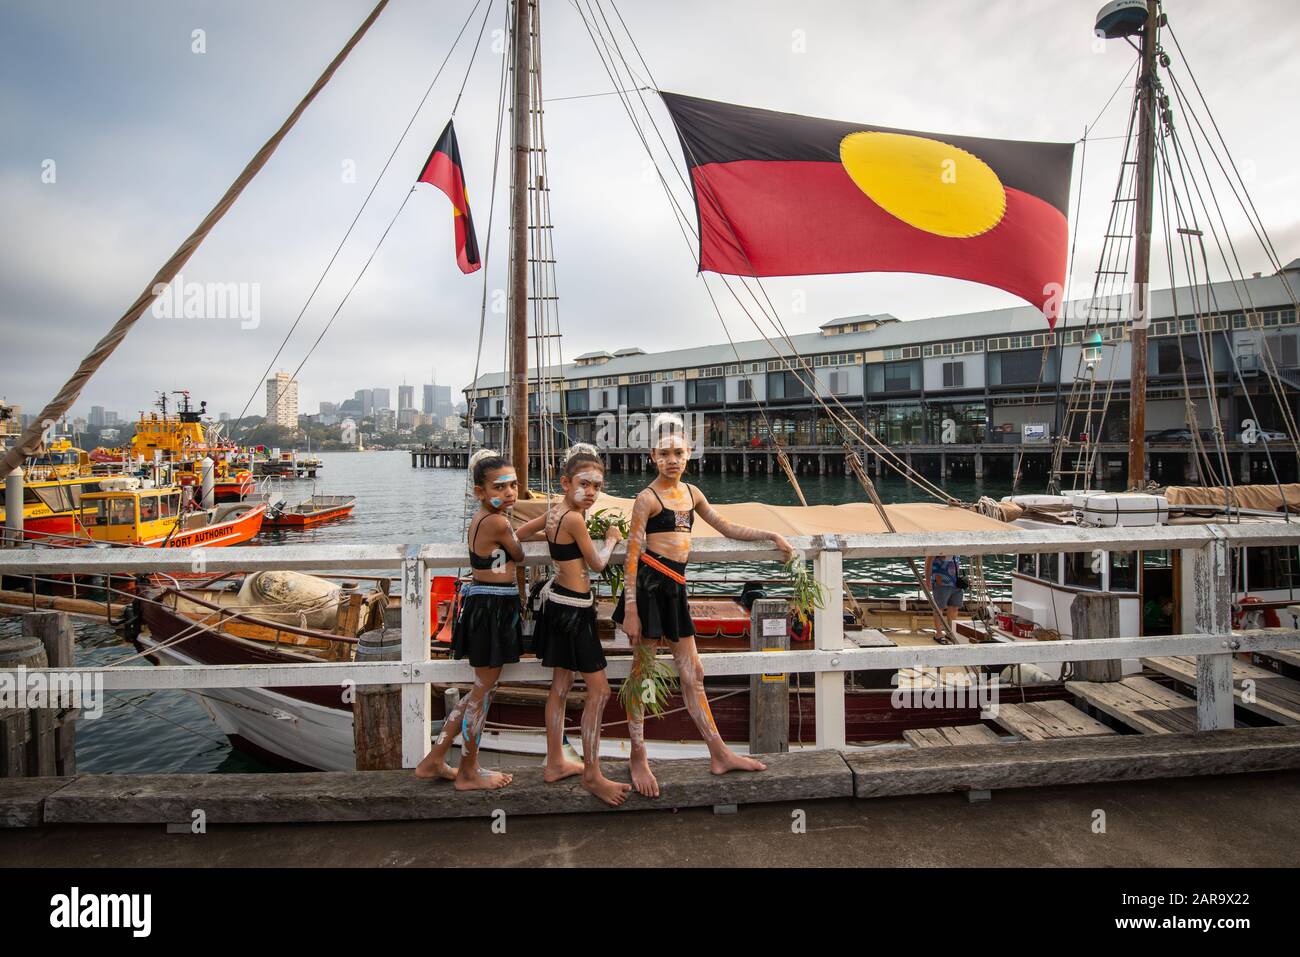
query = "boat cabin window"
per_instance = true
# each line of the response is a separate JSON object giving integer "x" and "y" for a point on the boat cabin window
{"x": 1266, "y": 569}
{"x": 148, "y": 508}
{"x": 1123, "y": 571}
{"x": 169, "y": 505}
{"x": 56, "y": 498}
{"x": 1027, "y": 564}
{"x": 1049, "y": 567}
{"x": 1083, "y": 570}
{"x": 117, "y": 511}
{"x": 1157, "y": 559}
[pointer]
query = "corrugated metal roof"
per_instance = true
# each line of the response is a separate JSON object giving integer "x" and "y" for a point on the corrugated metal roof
{"x": 1265, "y": 292}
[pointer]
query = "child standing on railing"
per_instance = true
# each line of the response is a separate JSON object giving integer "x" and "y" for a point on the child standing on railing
{"x": 565, "y": 637}
{"x": 654, "y": 604}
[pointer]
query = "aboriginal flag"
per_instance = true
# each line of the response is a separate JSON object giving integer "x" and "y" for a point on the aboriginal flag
{"x": 443, "y": 170}
{"x": 778, "y": 194}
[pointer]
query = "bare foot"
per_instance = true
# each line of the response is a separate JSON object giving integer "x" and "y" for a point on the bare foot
{"x": 429, "y": 770}
{"x": 612, "y": 793}
{"x": 481, "y": 779}
{"x": 560, "y": 770}
{"x": 729, "y": 760}
{"x": 642, "y": 779}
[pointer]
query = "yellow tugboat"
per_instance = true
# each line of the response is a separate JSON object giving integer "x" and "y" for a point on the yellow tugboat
{"x": 183, "y": 442}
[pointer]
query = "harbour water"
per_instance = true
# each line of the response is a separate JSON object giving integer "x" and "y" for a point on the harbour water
{"x": 169, "y": 731}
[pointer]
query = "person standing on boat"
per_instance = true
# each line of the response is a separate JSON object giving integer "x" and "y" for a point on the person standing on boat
{"x": 488, "y": 627}
{"x": 565, "y": 638}
{"x": 654, "y": 606}
{"x": 946, "y": 583}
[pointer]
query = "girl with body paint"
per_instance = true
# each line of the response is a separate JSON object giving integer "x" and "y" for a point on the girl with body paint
{"x": 488, "y": 628}
{"x": 654, "y": 606}
{"x": 565, "y": 637}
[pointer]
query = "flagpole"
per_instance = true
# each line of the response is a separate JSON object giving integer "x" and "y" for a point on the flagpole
{"x": 519, "y": 250}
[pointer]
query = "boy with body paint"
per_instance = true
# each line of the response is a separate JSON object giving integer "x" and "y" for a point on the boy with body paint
{"x": 565, "y": 637}
{"x": 654, "y": 605}
{"x": 488, "y": 627}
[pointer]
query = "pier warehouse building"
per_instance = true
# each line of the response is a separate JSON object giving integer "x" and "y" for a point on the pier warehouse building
{"x": 964, "y": 395}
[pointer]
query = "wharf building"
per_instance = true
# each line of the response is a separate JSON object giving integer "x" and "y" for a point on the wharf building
{"x": 966, "y": 395}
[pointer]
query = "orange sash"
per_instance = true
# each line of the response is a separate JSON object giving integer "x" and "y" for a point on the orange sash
{"x": 662, "y": 569}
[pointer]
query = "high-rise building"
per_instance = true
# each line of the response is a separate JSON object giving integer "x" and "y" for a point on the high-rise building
{"x": 111, "y": 418}
{"x": 426, "y": 406}
{"x": 282, "y": 401}
{"x": 365, "y": 401}
{"x": 97, "y": 417}
{"x": 405, "y": 397}
{"x": 383, "y": 399}
{"x": 438, "y": 399}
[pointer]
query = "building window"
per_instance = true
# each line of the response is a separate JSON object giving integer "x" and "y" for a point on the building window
{"x": 576, "y": 401}
{"x": 744, "y": 390}
{"x": 954, "y": 375}
{"x": 839, "y": 383}
{"x": 670, "y": 394}
{"x": 706, "y": 391}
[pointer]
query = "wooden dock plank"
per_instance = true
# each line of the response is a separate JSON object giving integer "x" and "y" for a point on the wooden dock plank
{"x": 398, "y": 795}
{"x": 1140, "y": 703}
{"x": 963, "y": 735}
{"x": 1275, "y": 696}
{"x": 22, "y": 799}
{"x": 1044, "y": 720}
{"x": 1287, "y": 657}
{"x": 1063, "y": 761}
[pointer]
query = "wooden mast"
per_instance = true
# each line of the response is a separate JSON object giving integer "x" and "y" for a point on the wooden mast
{"x": 1137, "y": 453}
{"x": 522, "y": 44}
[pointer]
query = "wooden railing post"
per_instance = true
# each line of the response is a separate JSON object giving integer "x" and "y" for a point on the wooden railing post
{"x": 1206, "y": 576}
{"x": 415, "y": 650}
{"x": 769, "y": 695}
{"x": 828, "y": 634}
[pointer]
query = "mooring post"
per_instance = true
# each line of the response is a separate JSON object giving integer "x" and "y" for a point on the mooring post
{"x": 415, "y": 650}
{"x": 828, "y": 635}
{"x": 377, "y": 709}
{"x": 54, "y": 629}
{"x": 1206, "y": 576}
{"x": 14, "y": 507}
{"x": 769, "y": 694}
{"x": 1096, "y": 615}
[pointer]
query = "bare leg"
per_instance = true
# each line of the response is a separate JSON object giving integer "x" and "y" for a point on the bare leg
{"x": 642, "y": 778}
{"x": 469, "y": 776}
{"x": 612, "y": 793}
{"x": 435, "y": 763}
{"x": 689, "y": 667}
{"x": 558, "y": 766}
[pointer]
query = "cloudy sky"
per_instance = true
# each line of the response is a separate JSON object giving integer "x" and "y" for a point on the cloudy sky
{"x": 145, "y": 134}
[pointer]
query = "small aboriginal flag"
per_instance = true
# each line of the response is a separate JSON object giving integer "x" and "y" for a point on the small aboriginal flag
{"x": 443, "y": 170}
{"x": 778, "y": 194}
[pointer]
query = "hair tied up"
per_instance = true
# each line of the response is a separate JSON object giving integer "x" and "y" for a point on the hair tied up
{"x": 580, "y": 448}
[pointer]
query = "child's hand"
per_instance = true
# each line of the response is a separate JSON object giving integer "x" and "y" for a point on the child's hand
{"x": 780, "y": 542}
{"x": 612, "y": 534}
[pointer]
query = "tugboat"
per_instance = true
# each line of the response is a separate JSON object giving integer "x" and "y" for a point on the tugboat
{"x": 182, "y": 440}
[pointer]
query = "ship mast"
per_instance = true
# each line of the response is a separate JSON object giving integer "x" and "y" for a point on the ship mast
{"x": 521, "y": 39}
{"x": 1146, "y": 148}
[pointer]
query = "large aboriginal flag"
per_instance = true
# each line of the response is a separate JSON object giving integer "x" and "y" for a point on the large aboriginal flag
{"x": 443, "y": 170}
{"x": 783, "y": 195}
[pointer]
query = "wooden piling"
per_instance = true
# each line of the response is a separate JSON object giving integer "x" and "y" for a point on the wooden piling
{"x": 377, "y": 709}
{"x": 1096, "y": 615}
{"x": 769, "y": 695}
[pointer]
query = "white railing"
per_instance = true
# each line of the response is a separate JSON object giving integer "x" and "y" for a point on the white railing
{"x": 1205, "y": 573}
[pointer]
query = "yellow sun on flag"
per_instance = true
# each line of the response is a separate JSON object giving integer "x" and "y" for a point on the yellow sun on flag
{"x": 930, "y": 185}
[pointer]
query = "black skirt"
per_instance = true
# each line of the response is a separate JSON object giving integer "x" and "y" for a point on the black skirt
{"x": 488, "y": 631}
{"x": 661, "y": 603}
{"x": 565, "y": 636}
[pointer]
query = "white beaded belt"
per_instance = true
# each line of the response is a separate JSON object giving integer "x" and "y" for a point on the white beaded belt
{"x": 548, "y": 595}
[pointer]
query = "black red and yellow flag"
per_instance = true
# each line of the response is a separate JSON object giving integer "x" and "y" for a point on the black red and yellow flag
{"x": 443, "y": 170}
{"x": 778, "y": 194}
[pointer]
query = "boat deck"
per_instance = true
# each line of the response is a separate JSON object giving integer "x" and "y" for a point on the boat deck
{"x": 1139, "y": 703}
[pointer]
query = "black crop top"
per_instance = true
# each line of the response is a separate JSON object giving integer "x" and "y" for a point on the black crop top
{"x": 563, "y": 553}
{"x": 477, "y": 561}
{"x": 671, "y": 520}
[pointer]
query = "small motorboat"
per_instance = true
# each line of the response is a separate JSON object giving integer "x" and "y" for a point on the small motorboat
{"x": 311, "y": 511}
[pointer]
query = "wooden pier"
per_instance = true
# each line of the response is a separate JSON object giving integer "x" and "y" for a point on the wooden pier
{"x": 1169, "y": 463}
{"x": 173, "y": 799}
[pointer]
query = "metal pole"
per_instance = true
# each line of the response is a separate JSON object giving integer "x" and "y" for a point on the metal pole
{"x": 1142, "y": 251}
{"x": 519, "y": 252}
{"x": 14, "y": 507}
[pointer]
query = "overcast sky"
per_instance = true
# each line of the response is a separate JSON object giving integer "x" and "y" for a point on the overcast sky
{"x": 146, "y": 134}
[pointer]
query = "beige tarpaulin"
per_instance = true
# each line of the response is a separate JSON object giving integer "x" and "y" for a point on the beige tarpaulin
{"x": 1266, "y": 498}
{"x": 854, "y": 518}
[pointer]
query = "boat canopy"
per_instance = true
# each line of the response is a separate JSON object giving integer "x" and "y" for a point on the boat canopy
{"x": 853, "y": 518}
{"x": 1264, "y": 498}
